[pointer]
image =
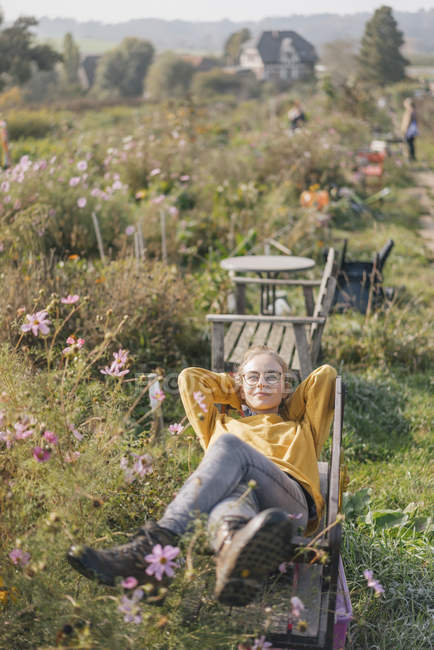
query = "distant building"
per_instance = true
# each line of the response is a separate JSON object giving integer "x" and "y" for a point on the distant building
{"x": 87, "y": 70}
{"x": 279, "y": 55}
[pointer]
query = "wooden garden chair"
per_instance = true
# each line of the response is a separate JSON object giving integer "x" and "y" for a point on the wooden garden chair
{"x": 297, "y": 339}
{"x": 315, "y": 582}
{"x": 314, "y": 574}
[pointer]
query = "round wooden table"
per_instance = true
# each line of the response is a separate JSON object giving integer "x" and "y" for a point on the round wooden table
{"x": 270, "y": 266}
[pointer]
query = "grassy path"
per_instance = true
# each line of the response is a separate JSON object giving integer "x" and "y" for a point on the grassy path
{"x": 425, "y": 186}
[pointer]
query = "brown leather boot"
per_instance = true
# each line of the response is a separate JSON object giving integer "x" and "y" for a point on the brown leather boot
{"x": 122, "y": 561}
{"x": 254, "y": 551}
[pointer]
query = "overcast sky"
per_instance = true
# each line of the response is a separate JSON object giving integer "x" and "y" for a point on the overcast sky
{"x": 109, "y": 11}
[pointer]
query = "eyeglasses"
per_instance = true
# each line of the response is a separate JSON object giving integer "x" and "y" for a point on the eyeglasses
{"x": 271, "y": 377}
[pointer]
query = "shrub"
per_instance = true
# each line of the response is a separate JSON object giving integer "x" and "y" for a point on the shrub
{"x": 161, "y": 327}
{"x": 31, "y": 124}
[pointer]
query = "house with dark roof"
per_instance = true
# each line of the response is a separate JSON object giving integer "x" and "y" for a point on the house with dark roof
{"x": 279, "y": 55}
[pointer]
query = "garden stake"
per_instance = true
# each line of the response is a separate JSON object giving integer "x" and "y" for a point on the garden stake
{"x": 98, "y": 237}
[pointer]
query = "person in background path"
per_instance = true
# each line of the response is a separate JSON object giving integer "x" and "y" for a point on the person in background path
{"x": 296, "y": 115}
{"x": 4, "y": 145}
{"x": 409, "y": 128}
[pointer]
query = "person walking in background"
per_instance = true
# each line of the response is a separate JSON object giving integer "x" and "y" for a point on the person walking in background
{"x": 296, "y": 115}
{"x": 4, "y": 145}
{"x": 409, "y": 128}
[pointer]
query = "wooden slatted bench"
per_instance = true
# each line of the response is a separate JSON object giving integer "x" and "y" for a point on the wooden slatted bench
{"x": 316, "y": 584}
{"x": 296, "y": 338}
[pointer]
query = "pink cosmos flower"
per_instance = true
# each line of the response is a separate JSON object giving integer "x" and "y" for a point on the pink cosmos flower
{"x": 82, "y": 166}
{"x": 75, "y": 432}
{"x": 22, "y": 430}
{"x": 117, "y": 185}
{"x": 70, "y": 299}
{"x": 173, "y": 211}
{"x": 74, "y": 181}
{"x": 74, "y": 345}
{"x": 143, "y": 465}
{"x": 130, "y": 583}
{"x": 378, "y": 588}
{"x": 184, "y": 178}
{"x": 4, "y": 187}
{"x": 121, "y": 357}
{"x": 81, "y": 202}
{"x": 117, "y": 367}
{"x": 155, "y": 171}
{"x": 161, "y": 561}
{"x": 18, "y": 556}
{"x": 7, "y": 437}
{"x": 159, "y": 396}
{"x": 51, "y": 437}
{"x": 129, "y": 607}
{"x": 158, "y": 199}
{"x": 37, "y": 322}
{"x": 71, "y": 457}
{"x": 297, "y": 607}
{"x": 283, "y": 567}
{"x": 130, "y": 230}
{"x": 41, "y": 455}
{"x": 199, "y": 398}
{"x": 176, "y": 428}
{"x": 129, "y": 473}
{"x": 261, "y": 644}
{"x": 114, "y": 370}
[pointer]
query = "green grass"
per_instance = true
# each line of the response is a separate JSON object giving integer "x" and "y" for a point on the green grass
{"x": 386, "y": 361}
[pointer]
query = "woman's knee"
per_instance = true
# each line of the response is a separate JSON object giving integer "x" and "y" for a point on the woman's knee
{"x": 228, "y": 441}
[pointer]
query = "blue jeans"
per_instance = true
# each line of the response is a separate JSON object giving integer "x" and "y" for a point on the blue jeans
{"x": 219, "y": 487}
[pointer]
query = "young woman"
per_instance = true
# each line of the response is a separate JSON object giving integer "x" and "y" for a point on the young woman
{"x": 258, "y": 480}
{"x": 409, "y": 128}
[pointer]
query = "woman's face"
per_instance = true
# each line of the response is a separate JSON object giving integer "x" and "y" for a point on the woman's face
{"x": 263, "y": 384}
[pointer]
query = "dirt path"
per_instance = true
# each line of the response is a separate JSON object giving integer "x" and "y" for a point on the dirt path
{"x": 425, "y": 193}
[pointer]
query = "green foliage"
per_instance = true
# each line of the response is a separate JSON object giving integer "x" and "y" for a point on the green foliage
{"x": 380, "y": 60}
{"x": 375, "y": 422}
{"x": 161, "y": 327}
{"x": 18, "y": 53}
{"x": 233, "y": 44}
{"x": 169, "y": 77}
{"x": 121, "y": 72}
{"x": 215, "y": 82}
{"x": 31, "y": 124}
{"x": 71, "y": 65}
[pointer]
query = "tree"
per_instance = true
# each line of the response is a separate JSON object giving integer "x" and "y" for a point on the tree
{"x": 170, "y": 76}
{"x": 122, "y": 71}
{"x": 208, "y": 84}
{"x": 18, "y": 54}
{"x": 233, "y": 44}
{"x": 380, "y": 60}
{"x": 71, "y": 62}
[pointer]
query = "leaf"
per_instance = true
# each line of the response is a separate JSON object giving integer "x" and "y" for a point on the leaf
{"x": 354, "y": 505}
{"x": 386, "y": 518}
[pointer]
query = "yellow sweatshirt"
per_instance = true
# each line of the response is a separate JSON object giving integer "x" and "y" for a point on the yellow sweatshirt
{"x": 293, "y": 442}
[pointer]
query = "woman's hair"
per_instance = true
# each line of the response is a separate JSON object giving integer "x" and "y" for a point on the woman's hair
{"x": 254, "y": 352}
{"x": 409, "y": 103}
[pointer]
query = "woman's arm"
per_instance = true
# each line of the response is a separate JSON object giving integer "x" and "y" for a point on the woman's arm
{"x": 200, "y": 391}
{"x": 313, "y": 400}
